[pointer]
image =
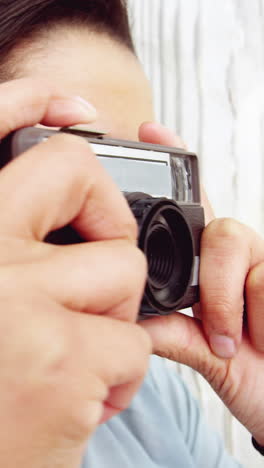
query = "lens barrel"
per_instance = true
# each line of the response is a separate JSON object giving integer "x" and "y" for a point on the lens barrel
{"x": 166, "y": 239}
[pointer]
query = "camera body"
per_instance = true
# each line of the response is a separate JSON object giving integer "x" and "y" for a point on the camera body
{"x": 161, "y": 185}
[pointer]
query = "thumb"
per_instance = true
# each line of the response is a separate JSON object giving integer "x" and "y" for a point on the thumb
{"x": 181, "y": 338}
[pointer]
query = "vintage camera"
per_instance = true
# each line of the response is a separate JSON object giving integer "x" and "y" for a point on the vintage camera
{"x": 161, "y": 185}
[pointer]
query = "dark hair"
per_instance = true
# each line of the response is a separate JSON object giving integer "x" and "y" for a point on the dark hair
{"x": 20, "y": 19}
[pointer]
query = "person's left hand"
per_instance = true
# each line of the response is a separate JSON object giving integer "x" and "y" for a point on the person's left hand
{"x": 227, "y": 350}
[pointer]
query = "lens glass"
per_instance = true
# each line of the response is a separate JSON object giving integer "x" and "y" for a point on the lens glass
{"x": 161, "y": 254}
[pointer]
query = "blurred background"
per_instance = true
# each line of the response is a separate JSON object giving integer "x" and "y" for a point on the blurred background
{"x": 205, "y": 60}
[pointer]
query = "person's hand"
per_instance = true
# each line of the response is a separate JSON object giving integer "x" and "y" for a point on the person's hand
{"x": 226, "y": 350}
{"x": 72, "y": 354}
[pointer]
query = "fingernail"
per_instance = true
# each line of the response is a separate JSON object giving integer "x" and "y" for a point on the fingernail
{"x": 222, "y": 346}
{"x": 83, "y": 104}
{"x": 75, "y": 108}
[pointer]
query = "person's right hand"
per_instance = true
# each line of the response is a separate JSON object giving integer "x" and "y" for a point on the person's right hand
{"x": 71, "y": 353}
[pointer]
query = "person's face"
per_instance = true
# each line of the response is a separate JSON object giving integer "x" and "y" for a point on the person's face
{"x": 101, "y": 71}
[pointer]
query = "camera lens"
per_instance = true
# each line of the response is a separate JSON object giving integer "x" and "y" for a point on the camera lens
{"x": 166, "y": 239}
{"x": 160, "y": 252}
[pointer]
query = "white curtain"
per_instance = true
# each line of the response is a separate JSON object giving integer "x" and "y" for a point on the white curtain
{"x": 205, "y": 60}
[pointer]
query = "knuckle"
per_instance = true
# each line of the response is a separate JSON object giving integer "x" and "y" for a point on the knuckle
{"x": 225, "y": 229}
{"x": 72, "y": 159}
{"x": 143, "y": 261}
{"x": 76, "y": 159}
{"x": 82, "y": 417}
{"x": 138, "y": 260}
{"x": 38, "y": 93}
{"x": 127, "y": 227}
{"x": 135, "y": 265}
{"x": 50, "y": 346}
{"x": 131, "y": 254}
{"x": 75, "y": 147}
{"x": 131, "y": 227}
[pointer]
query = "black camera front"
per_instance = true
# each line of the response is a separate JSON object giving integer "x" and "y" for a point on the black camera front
{"x": 161, "y": 185}
{"x": 165, "y": 237}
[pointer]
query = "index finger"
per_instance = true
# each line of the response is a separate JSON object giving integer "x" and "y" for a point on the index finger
{"x": 57, "y": 182}
{"x": 26, "y": 102}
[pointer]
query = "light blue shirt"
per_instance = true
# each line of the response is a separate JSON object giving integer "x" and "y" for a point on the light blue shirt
{"x": 162, "y": 428}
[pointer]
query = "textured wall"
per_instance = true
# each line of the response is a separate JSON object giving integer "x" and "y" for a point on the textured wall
{"x": 205, "y": 60}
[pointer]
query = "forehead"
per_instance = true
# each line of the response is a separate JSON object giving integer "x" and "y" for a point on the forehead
{"x": 100, "y": 70}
